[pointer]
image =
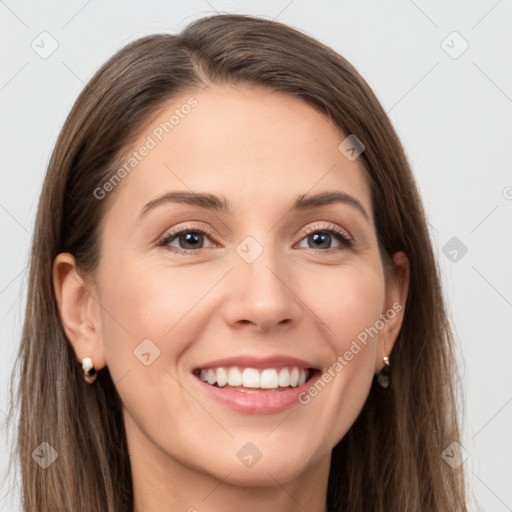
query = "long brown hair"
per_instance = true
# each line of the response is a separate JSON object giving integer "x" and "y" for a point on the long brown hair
{"x": 391, "y": 457}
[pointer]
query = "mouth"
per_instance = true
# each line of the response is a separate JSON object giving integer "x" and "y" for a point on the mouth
{"x": 256, "y": 386}
{"x": 256, "y": 380}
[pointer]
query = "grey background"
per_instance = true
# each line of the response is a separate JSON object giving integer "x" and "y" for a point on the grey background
{"x": 452, "y": 113}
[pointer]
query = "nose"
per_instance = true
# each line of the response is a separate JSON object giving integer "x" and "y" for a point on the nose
{"x": 261, "y": 294}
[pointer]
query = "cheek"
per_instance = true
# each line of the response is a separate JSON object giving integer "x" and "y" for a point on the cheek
{"x": 146, "y": 327}
{"x": 151, "y": 301}
{"x": 348, "y": 302}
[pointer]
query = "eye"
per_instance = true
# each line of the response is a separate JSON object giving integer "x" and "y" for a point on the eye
{"x": 190, "y": 238}
{"x": 322, "y": 236}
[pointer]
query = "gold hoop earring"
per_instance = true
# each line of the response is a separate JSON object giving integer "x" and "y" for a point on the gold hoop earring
{"x": 90, "y": 373}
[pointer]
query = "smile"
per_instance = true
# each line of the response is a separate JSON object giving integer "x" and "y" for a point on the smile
{"x": 246, "y": 379}
{"x": 253, "y": 391}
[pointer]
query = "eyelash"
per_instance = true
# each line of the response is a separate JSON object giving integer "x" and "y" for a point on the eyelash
{"x": 338, "y": 233}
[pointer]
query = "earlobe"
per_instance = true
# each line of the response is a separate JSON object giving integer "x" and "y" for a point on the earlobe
{"x": 79, "y": 316}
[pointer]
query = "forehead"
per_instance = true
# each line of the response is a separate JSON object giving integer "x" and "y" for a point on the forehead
{"x": 256, "y": 146}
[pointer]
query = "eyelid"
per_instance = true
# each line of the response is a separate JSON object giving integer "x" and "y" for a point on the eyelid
{"x": 326, "y": 227}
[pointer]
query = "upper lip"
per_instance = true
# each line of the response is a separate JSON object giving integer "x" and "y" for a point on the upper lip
{"x": 259, "y": 362}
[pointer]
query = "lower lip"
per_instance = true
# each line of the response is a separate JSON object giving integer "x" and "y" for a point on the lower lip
{"x": 269, "y": 402}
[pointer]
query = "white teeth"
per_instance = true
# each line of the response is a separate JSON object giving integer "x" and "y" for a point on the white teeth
{"x": 269, "y": 378}
{"x": 251, "y": 378}
{"x": 294, "y": 377}
{"x": 222, "y": 377}
{"x": 211, "y": 377}
{"x": 234, "y": 377}
{"x": 284, "y": 378}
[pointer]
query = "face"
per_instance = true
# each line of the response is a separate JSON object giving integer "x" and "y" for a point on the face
{"x": 270, "y": 281}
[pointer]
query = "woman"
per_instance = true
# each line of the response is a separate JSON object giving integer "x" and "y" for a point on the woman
{"x": 233, "y": 298}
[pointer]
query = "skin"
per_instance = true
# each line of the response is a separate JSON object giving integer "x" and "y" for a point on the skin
{"x": 260, "y": 149}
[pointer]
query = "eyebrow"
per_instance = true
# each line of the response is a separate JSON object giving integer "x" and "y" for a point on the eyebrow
{"x": 212, "y": 202}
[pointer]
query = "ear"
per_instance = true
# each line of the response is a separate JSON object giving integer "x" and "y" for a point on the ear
{"x": 79, "y": 311}
{"x": 396, "y": 296}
